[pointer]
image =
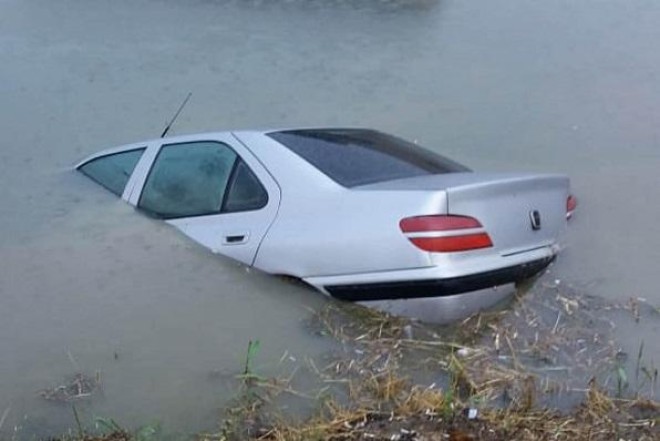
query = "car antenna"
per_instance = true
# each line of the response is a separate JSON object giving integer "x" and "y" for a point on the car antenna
{"x": 183, "y": 104}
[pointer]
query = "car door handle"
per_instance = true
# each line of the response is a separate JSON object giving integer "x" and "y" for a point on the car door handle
{"x": 235, "y": 239}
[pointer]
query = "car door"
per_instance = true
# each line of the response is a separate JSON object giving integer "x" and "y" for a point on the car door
{"x": 212, "y": 189}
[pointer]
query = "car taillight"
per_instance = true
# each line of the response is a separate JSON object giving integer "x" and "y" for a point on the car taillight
{"x": 571, "y": 204}
{"x": 445, "y": 233}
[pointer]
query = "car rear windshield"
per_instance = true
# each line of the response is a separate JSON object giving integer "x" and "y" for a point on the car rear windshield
{"x": 353, "y": 157}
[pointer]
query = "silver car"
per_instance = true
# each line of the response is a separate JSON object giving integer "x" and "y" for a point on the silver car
{"x": 356, "y": 213}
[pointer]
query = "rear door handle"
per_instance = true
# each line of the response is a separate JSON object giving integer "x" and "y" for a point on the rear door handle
{"x": 235, "y": 239}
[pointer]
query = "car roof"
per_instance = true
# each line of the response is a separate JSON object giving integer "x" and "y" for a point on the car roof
{"x": 195, "y": 136}
{"x": 289, "y": 157}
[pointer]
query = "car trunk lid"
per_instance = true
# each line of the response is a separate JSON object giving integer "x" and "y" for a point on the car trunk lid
{"x": 520, "y": 212}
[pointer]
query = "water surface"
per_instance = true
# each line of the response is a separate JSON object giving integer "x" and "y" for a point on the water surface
{"x": 558, "y": 86}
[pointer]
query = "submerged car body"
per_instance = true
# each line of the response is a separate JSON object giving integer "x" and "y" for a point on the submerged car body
{"x": 356, "y": 213}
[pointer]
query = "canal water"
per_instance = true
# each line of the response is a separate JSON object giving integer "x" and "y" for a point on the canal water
{"x": 88, "y": 284}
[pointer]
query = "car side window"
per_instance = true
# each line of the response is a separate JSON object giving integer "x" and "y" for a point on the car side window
{"x": 188, "y": 179}
{"x": 113, "y": 171}
{"x": 245, "y": 192}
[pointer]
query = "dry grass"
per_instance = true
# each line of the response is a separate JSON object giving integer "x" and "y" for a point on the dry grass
{"x": 502, "y": 367}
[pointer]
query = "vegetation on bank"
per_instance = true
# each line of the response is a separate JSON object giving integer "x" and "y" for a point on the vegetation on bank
{"x": 546, "y": 368}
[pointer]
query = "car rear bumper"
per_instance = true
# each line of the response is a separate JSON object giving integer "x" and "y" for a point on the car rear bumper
{"x": 437, "y": 287}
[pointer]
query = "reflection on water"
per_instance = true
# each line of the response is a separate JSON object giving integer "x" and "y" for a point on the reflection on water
{"x": 446, "y": 310}
{"x": 551, "y": 86}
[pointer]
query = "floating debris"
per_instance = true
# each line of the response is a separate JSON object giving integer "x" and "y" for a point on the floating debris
{"x": 80, "y": 386}
{"x": 4, "y": 417}
{"x": 119, "y": 435}
{"x": 539, "y": 370}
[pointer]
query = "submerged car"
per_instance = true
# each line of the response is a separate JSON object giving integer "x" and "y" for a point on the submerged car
{"x": 356, "y": 213}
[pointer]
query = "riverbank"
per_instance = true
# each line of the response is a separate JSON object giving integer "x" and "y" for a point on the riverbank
{"x": 545, "y": 367}
{"x": 600, "y": 418}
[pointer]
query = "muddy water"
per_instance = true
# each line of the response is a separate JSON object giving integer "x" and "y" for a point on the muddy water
{"x": 543, "y": 86}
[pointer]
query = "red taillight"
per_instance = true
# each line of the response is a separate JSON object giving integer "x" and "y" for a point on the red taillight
{"x": 453, "y": 243}
{"x": 445, "y": 233}
{"x": 571, "y": 205}
{"x": 437, "y": 223}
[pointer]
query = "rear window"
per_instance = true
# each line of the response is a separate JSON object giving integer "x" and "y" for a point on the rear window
{"x": 353, "y": 157}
